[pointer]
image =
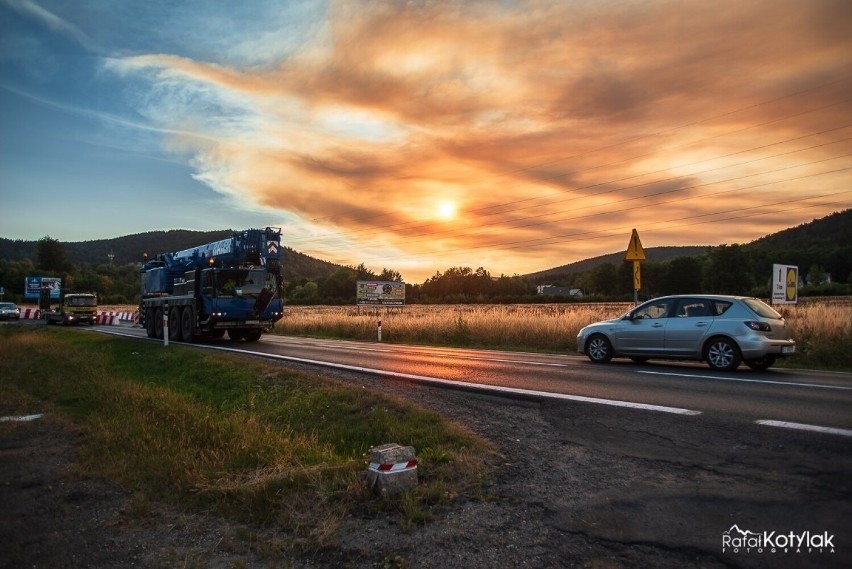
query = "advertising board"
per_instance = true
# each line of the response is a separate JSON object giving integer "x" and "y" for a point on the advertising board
{"x": 785, "y": 284}
{"x": 32, "y": 287}
{"x": 380, "y": 293}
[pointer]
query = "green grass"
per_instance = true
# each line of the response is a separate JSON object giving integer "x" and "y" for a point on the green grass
{"x": 250, "y": 440}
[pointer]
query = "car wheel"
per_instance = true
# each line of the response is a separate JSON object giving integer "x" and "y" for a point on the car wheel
{"x": 599, "y": 349}
{"x": 761, "y": 364}
{"x": 722, "y": 354}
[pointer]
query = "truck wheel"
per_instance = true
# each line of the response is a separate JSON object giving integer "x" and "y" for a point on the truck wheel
{"x": 158, "y": 324}
{"x": 149, "y": 323}
{"x": 174, "y": 324}
{"x": 236, "y": 334}
{"x": 187, "y": 324}
{"x": 252, "y": 335}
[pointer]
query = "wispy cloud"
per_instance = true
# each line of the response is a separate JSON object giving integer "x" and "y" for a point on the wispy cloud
{"x": 555, "y": 127}
{"x": 46, "y": 17}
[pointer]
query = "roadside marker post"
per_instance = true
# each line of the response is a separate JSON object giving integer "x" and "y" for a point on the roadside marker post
{"x": 380, "y": 329}
{"x": 166, "y": 324}
{"x": 392, "y": 470}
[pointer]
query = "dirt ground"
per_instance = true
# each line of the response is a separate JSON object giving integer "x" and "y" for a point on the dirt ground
{"x": 577, "y": 486}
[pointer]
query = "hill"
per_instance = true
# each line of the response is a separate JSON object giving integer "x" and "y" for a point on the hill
{"x": 834, "y": 230}
{"x": 652, "y": 253}
{"x": 825, "y": 241}
{"x": 130, "y": 248}
{"x": 832, "y": 233}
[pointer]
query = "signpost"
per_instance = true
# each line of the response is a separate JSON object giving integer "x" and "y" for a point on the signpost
{"x": 635, "y": 253}
{"x": 785, "y": 284}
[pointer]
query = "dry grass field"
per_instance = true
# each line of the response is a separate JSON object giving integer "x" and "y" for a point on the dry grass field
{"x": 822, "y": 327}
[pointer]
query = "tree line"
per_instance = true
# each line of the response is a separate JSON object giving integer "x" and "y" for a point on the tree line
{"x": 726, "y": 269}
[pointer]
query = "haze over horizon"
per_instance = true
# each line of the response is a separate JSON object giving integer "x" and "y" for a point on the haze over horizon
{"x": 517, "y": 136}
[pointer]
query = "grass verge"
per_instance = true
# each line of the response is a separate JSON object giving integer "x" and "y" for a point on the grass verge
{"x": 250, "y": 440}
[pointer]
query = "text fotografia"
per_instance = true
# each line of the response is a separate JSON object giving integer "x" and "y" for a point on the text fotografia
{"x": 736, "y": 540}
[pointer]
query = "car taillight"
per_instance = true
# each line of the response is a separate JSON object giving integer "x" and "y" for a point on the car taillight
{"x": 759, "y": 326}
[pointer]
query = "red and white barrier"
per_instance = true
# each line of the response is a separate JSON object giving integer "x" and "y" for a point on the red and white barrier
{"x": 106, "y": 318}
{"x": 395, "y": 467}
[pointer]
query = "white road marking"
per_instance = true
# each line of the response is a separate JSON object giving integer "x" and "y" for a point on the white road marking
{"x": 740, "y": 379}
{"x": 408, "y": 351}
{"x": 803, "y": 427}
{"x": 465, "y": 384}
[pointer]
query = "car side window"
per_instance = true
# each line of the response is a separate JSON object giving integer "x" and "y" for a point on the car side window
{"x": 694, "y": 308}
{"x": 653, "y": 310}
{"x": 721, "y": 306}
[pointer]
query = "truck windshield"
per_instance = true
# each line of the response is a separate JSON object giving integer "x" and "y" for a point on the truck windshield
{"x": 81, "y": 301}
{"x": 239, "y": 282}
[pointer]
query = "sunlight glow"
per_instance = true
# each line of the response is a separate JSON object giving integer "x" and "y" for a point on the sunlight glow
{"x": 447, "y": 210}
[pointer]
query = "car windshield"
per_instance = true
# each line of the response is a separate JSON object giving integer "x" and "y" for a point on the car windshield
{"x": 81, "y": 301}
{"x": 7, "y": 305}
{"x": 761, "y": 308}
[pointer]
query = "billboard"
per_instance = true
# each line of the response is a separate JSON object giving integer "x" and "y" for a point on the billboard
{"x": 381, "y": 293}
{"x": 32, "y": 287}
{"x": 785, "y": 284}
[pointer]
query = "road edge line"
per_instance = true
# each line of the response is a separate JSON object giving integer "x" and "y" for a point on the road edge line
{"x": 805, "y": 427}
{"x": 447, "y": 383}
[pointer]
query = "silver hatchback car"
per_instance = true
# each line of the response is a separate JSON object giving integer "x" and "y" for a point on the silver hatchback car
{"x": 721, "y": 330}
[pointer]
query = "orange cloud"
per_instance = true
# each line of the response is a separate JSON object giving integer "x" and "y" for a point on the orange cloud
{"x": 553, "y": 127}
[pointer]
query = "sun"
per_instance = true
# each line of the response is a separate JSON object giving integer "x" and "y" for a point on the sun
{"x": 446, "y": 210}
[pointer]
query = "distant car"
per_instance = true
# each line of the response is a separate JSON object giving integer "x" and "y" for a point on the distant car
{"x": 723, "y": 331}
{"x": 9, "y": 311}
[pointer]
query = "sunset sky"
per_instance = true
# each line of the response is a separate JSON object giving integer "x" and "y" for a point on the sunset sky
{"x": 422, "y": 135}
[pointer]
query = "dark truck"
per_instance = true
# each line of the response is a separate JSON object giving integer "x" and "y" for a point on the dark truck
{"x": 232, "y": 285}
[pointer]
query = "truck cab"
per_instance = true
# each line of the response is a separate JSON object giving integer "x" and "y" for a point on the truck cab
{"x": 74, "y": 308}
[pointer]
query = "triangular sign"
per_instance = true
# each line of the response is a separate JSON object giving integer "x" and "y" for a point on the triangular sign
{"x": 635, "y": 252}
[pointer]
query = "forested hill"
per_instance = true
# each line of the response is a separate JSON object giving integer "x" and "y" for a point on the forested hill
{"x": 652, "y": 253}
{"x": 130, "y": 248}
{"x": 822, "y": 241}
{"x": 829, "y": 232}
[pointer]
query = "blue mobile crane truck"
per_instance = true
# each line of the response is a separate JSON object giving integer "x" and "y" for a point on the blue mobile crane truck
{"x": 233, "y": 285}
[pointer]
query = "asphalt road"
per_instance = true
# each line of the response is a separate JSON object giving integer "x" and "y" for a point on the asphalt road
{"x": 778, "y": 398}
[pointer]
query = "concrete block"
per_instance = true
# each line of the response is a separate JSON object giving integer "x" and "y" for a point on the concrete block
{"x": 392, "y": 470}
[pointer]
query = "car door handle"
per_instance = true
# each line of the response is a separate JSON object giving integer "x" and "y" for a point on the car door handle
{"x": 701, "y": 324}
{"x": 657, "y": 325}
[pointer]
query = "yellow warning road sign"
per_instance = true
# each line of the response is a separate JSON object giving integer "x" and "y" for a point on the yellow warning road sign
{"x": 635, "y": 252}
